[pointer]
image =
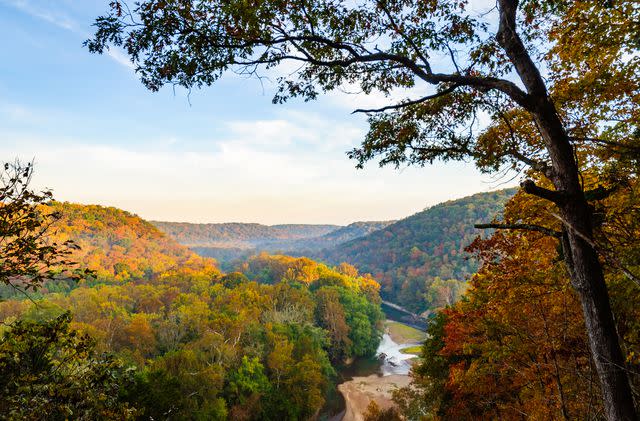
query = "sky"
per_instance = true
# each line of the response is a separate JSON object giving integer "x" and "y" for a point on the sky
{"x": 221, "y": 154}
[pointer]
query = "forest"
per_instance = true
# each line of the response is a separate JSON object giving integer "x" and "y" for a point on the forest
{"x": 420, "y": 261}
{"x": 516, "y": 343}
{"x": 104, "y": 316}
{"x": 153, "y": 331}
{"x": 229, "y": 241}
{"x": 244, "y": 235}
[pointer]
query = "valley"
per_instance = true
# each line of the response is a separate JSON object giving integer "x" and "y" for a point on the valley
{"x": 155, "y": 303}
{"x": 419, "y": 261}
{"x": 215, "y": 210}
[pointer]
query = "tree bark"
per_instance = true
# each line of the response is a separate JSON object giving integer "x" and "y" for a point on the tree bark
{"x": 582, "y": 261}
{"x": 588, "y": 280}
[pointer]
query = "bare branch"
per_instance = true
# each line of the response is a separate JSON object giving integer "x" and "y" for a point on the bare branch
{"x": 606, "y": 142}
{"x": 607, "y": 255}
{"x": 407, "y": 103}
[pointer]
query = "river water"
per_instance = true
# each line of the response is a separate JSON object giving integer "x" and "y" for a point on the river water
{"x": 388, "y": 360}
{"x": 392, "y": 360}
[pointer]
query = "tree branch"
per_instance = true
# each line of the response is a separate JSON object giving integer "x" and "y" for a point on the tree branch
{"x": 600, "y": 192}
{"x": 606, "y": 142}
{"x": 523, "y": 227}
{"x": 407, "y": 103}
{"x": 556, "y": 197}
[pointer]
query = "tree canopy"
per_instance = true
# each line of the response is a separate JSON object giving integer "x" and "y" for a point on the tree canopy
{"x": 29, "y": 253}
{"x": 557, "y": 80}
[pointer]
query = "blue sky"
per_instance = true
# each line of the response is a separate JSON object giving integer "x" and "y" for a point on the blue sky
{"x": 219, "y": 155}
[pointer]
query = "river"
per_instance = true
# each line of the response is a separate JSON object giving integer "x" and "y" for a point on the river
{"x": 388, "y": 361}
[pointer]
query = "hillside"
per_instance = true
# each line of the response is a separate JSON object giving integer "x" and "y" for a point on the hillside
{"x": 339, "y": 236}
{"x": 309, "y": 245}
{"x": 162, "y": 331}
{"x": 409, "y": 256}
{"x": 120, "y": 245}
{"x": 240, "y": 235}
{"x": 232, "y": 241}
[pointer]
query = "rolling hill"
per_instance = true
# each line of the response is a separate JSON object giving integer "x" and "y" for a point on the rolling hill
{"x": 239, "y": 235}
{"x": 420, "y": 260}
{"x": 407, "y": 257}
{"x": 229, "y": 242}
{"x": 120, "y": 245}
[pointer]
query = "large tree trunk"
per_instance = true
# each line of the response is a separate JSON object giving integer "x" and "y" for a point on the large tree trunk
{"x": 582, "y": 260}
{"x": 588, "y": 280}
{"x": 584, "y": 266}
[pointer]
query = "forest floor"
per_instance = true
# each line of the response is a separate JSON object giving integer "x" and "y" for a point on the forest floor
{"x": 360, "y": 391}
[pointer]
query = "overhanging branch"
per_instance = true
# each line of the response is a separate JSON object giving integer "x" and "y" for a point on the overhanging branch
{"x": 522, "y": 227}
{"x": 554, "y": 196}
{"x": 407, "y": 103}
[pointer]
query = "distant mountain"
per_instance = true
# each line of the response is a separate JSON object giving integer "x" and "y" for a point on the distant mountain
{"x": 408, "y": 256}
{"x": 227, "y": 250}
{"x": 239, "y": 235}
{"x": 420, "y": 260}
{"x": 333, "y": 238}
{"x": 230, "y": 241}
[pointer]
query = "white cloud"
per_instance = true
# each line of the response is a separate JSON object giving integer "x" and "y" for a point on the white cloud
{"x": 120, "y": 57}
{"x": 269, "y": 171}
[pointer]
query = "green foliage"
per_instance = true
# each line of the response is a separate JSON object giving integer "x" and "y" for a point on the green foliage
{"x": 223, "y": 347}
{"x": 198, "y": 344}
{"x": 248, "y": 380}
{"x": 29, "y": 255}
{"x": 50, "y": 371}
{"x": 409, "y": 256}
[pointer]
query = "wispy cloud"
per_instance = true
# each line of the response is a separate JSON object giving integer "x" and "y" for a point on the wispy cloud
{"x": 56, "y": 18}
{"x": 120, "y": 58}
{"x": 254, "y": 173}
{"x": 63, "y": 21}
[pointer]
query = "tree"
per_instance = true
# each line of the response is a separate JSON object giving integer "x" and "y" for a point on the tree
{"x": 586, "y": 99}
{"x": 374, "y": 413}
{"x": 331, "y": 316}
{"x": 248, "y": 380}
{"x": 28, "y": 256}
{"x": 48, "y": 371}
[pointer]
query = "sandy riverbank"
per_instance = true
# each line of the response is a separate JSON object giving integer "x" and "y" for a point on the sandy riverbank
{"x": 362, "y": 390}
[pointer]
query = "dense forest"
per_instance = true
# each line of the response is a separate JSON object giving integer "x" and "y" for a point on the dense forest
{"x": 242, "y": 235}
{"x": 230, "y": 242}
{"x": 421, "y": 261}
{"x": 516, "y": 343}
{"x": 154, "y": 331}
{"x": 341, "y": 235}
{"x": 106, "y": 317}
